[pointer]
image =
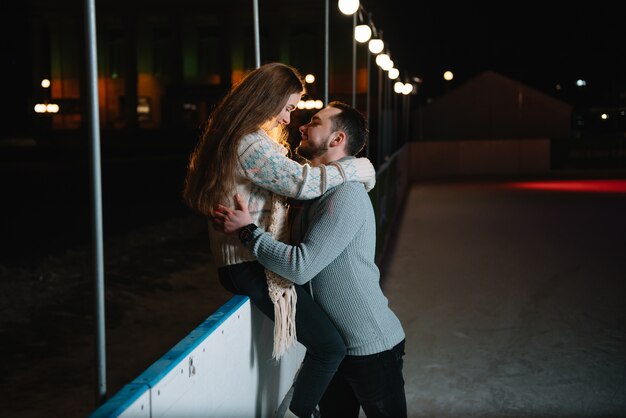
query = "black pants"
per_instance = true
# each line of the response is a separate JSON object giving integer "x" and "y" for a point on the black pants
{"x": 325, "y": 347}
{"x": 372, "y": 382}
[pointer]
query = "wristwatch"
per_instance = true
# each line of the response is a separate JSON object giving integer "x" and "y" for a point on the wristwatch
{"x": 245, "y": 233}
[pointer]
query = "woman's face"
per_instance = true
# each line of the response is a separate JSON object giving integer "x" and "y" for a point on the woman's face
{"x": 284, "y": 117}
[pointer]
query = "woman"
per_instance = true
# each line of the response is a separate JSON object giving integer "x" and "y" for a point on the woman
{"x": 242, "y": 152}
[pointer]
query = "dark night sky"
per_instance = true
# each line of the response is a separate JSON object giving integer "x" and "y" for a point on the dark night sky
{"x": 538, "y": 43}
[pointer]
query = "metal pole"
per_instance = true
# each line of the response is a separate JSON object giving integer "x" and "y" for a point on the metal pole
{"x": 353, "y": 61}
{"x": 257, "y": 43}
{"x": 381, "y": 127}
{"x": 388, "y": 117}
{"x": 96, "y": 205}
{"x": 326, "y": 36}
{"x": 367, "y": 99}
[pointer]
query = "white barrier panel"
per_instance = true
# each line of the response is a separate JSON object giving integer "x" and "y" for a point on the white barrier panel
{"x": 223, "y": 368}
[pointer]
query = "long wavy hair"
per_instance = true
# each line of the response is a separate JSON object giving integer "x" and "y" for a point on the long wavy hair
{"x": 248, "y": 106}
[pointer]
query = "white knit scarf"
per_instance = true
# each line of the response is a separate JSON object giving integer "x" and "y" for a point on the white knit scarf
{"x": 281, "y": 291}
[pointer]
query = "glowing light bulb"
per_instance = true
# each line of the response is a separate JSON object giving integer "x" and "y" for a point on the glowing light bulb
{"x": 348, "y": 7}
{"x": 362, "y": 33}
{"x": 381, "y": 59}
{"x": 376, "y": 46}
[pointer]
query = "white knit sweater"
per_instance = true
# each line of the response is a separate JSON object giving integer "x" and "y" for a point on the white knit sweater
{"x": 265, "y": 169}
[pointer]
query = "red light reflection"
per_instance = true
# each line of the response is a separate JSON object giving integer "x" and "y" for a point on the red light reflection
{"x": 581, "y": 186}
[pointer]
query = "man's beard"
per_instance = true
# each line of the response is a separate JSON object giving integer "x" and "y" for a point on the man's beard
{"x": 311, "y": 153}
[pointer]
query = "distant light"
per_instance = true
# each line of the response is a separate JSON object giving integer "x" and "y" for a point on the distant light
{"x": 381, "y": 59}
{"x": 448, "y": 75}
{"x": 581, "y": 83}
{"x": 318, "y": 104}
{"x": 362, "y": 33}
{"x": 47, "y": 108}
{"x": 393, "y": 73}
{"x": 558, "y": 87}
{"x": 309, "y": 104}
{"x": 387, "y": 65}
{"x": 309, "y": 78}
{"x": 622, "y": 113}
{"x": 398, "y": 86}
{"x": 376, "y": 46}
{"x": 45, "y": 83}
{"x": 407, "y": 89}
{"x": 144, "y": 108}
{"x": 604, "y": 116}
{"x": 301, "y": 104}
{"x": 580, "y": 186}
{"x": 348, "y": 7}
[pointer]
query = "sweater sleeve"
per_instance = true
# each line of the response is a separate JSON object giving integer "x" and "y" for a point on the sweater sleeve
{"x": 336, "y": 221}
{"x": 266, "y": 167}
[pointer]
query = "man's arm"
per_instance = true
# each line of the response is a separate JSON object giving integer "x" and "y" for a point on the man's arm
{"x": 337, "y": 219}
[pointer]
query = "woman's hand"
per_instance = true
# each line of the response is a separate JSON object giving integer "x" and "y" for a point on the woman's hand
{"x": 230, "y": 221}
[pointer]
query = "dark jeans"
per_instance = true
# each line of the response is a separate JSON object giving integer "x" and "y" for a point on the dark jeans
{"x": 325, "y": 347}
{"x": 373, "y": 382}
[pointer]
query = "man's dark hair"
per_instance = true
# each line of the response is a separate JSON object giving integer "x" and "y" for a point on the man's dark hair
{"x": 353, "y": 123}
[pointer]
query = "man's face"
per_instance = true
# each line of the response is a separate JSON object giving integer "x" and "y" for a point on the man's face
{"x": 317, "y": 134}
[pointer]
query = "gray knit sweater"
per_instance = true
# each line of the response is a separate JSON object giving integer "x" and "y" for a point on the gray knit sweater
{"x": 336, "y": 236}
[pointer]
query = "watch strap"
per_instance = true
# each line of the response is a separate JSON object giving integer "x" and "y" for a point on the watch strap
{"x": 245, "y": 233}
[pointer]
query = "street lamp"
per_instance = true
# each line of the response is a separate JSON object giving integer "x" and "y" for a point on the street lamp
{"x": 362, "y": 33}
{"x": 348, "y": 7}
{"x": 376, "y": 46}
{"x": 381, "y": 59}
{"x": 387, "y": 65}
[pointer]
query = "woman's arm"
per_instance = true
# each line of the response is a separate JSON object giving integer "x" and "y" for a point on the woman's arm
{"x": 268, "y": 168}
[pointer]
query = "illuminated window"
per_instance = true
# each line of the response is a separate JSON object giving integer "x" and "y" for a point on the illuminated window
{"x": 144, "y": 110}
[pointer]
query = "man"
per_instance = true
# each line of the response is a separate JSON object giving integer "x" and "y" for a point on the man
{"x": 334, "y": 240}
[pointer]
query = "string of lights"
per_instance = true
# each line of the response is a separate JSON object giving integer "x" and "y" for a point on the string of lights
{"x": 366, "y": 32}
